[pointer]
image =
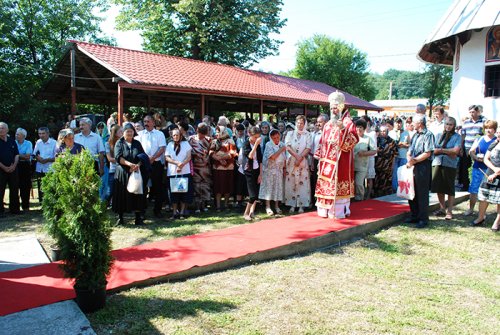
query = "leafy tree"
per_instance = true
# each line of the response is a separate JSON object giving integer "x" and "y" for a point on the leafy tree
{"x": 437, "y": 84}
{"x": 235, "y": 32}
{"x": 405, "y": 84}
{"x": 335, "y": 63}
{"x": 32, "y": 37}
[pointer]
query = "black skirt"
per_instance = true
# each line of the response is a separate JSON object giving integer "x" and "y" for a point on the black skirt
{"x": 123, "y": 200}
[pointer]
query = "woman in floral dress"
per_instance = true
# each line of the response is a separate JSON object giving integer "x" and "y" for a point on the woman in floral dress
{"x": 386, "y": 152}
{"x": 273, "y": 164}
{"x": 297, "y": 184}
{"x": 202, "y": 174}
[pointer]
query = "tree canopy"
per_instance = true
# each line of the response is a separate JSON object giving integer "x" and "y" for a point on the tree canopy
{"x": 335, "y": 63}
{"x": 234, "y": 32}
{"x": 32, "y": 37}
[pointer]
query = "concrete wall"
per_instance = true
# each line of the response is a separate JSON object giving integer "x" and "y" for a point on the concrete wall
{"x": 468, "y": 81}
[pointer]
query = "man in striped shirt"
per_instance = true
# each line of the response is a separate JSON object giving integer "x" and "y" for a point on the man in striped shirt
{"x": 472, "y": 129}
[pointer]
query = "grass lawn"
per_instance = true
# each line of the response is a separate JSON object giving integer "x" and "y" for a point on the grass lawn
{"x": 441, "y": 280}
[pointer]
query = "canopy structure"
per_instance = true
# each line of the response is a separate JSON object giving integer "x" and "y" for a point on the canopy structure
{"x": 101, "y": 74}
{"x": 460, "y": 20}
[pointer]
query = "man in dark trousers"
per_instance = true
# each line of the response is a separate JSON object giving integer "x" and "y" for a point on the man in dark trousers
{"x": 9, "y": 157}
{"x": 420, "y": 157}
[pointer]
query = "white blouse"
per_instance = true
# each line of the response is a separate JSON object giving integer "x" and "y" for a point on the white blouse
{"x": 183, "y": 153}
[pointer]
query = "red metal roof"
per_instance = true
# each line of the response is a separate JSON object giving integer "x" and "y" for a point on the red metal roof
{"x": 150, "y": 69}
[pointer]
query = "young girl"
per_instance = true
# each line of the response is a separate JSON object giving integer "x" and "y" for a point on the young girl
{"x": 252, "y": 159}
{"x": 273, "y": 164}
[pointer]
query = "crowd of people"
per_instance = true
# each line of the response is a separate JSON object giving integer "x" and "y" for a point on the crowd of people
{"x": 187, "y": 169}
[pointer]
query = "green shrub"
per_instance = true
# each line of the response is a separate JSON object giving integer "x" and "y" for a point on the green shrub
{"x": 76, "y": 218}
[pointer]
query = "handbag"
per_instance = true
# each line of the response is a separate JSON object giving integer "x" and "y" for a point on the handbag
{"x": 134, "y": 185}
{"x": 406, "y": 186}
{"x": 179, "y": 184}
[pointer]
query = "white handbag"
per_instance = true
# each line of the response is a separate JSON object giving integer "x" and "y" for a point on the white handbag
{"x": 406, "y": 187}
{"x": 134, "y": 185}
{"x": 179, "y": 184}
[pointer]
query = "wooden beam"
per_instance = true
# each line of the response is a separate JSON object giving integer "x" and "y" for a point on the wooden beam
{"x": 120, "y": 104}
{"x": 261, "y": 111}
{"x": 305, "y": 110}
{"x": 73, "y": 81}
{"x": 202, "y": 107}
{"x": 91, "y": 73}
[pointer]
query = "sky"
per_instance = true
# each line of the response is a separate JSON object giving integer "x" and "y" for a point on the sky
{"x": 390, "y": 32}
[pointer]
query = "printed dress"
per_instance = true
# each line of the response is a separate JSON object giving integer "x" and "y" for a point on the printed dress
{"x": 297, "y": 183}
{"x": 271, "y": 187}
{"x": 202, "y": 174}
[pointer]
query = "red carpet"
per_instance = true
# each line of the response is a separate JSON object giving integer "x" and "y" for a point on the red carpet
{"x": 44, "y": 284}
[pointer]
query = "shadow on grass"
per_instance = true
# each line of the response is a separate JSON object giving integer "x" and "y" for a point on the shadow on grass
{"x": 24, "y": 222}
{"x": 132, "y": 315}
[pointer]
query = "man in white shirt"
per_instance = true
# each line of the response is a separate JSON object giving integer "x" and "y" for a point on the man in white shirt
{"x": 437, "y": 125}
{"x": 92, "y": 142}
{"x": 154, "y": 145}
{"x": 45, "y": 154}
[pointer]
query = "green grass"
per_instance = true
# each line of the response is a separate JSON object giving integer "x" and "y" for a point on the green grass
{"x": 441, "y": 280}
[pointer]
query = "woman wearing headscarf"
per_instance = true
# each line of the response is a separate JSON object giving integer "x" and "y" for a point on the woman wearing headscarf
{"x": 127, "y": 155}
{"x": 387, "y": 150}
{"x": 178, "y": 157}
{"x": 223, "y": 152}
{"x": 273, "y": 164}
{"x": 444, "y": 167}
{"x": 202, "y": 174}
{"x": 297, "y": 183}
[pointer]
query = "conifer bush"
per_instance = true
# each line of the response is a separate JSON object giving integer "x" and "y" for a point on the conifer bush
{"x": 76, "y": 218}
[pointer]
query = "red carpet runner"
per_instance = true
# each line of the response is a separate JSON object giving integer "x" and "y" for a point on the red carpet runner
{"x": 44, "y": 284}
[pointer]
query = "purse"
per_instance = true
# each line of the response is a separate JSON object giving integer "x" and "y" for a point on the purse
{"x": 179, "y": 184}
{"x": 134, "y": 184}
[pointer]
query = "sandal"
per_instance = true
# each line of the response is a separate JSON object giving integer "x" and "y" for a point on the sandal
{"x": 468, "y": 212}
{"x": 278, "y": 210}
{"x": 448, "y": 216}
{"x": 439, "y": 212}
{"x": 269, "y": 211}
{"x": 247, "y": 217}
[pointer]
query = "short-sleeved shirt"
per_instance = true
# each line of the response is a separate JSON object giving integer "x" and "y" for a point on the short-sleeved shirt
{"x": 92, "y": 142}
{"x": 26, "y": 148}
{"x": 472, "y": 130}
{"x": 365, "y": 143}
{"x": 404, "y": 138}
{"x": 8, "y": 151}
{"x": 437, "y": 127}
{"x": 112, "y": 166}
{"x": 445, "y": 160}
{"x": 422, "y": 142}
{"x": 45, "y": 150}
{"x": 76, "y": 149}
{"x": 181, "y": 156}
{"x": 152, "y": 141}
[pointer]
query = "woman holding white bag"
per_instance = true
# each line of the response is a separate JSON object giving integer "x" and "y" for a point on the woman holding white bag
{"x": 178, "y": 156}
{"x": 126, "y": 152}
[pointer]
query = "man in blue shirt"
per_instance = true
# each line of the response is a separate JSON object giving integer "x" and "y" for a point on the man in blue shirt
{"x": 9, "y": 157}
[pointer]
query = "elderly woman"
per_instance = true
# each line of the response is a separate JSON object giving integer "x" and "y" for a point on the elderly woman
{"x": 66, "y": 140}
{"x": 178, "y": 156}
{"x": 240, "y": 183}
{"x": 444, "y": 167}
{"x": 202, "y": 175}
{"x": 297, "y": 183}
{"x": 386, "y": 152}
{"x": 489, "y": 191}
{"x": 223, "y": 152}
{"x": 25, "y": 148}
{"x": 273, "y": 164}
{"x": 265, "y": 128}
{"x": 127, "y": 156}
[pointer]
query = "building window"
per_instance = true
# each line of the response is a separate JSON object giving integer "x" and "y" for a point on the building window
{"x": 492, "y": 81}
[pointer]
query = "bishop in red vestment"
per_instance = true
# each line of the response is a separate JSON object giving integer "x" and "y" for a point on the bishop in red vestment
{"x": 335, "y": 185}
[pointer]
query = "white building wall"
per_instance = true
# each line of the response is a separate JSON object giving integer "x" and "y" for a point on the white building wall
{"x": 467, "y": 86}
